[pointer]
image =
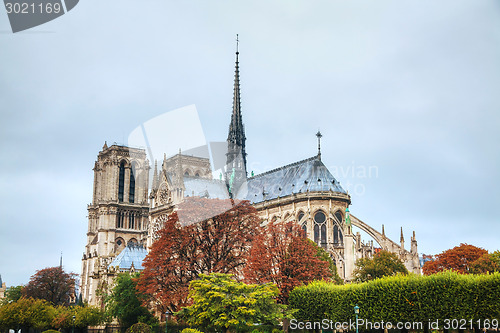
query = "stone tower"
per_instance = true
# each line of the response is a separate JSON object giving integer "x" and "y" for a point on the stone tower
{"x": 118, "y": 214}
{"x": 236, "y": 157}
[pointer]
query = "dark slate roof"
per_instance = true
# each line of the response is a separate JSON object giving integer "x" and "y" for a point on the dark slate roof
{"x": 205, "y": 188}
{"x": 299, "y": 177}
{"x": 131, "y": 254}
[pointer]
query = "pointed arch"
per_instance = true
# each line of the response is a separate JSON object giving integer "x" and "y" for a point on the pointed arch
{"x": 121, "y": 181}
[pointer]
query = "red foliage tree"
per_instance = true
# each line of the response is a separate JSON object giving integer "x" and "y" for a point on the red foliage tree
{"x": 196, "y": 240}
{"x": 282, "y": 255}
{"x": 458, "y": 259}
{"x": 51, "y": 284}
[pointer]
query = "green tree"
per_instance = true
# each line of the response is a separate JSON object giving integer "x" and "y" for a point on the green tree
{"x": 12, "y": 294}
{"x": 83, "y": 317}
{"x": 383, "y": 263}
{"x": 26, "y": 313}
{"x": 221, "y": 303}
{"x": 125, "y": 302}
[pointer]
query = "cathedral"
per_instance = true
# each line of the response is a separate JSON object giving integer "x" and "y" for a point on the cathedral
{"x": 128, "y": 209}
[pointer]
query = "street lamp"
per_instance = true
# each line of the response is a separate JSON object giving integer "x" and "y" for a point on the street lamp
{"x": 166, "y": 320}
{"x": 73, "y": 328}
{"x": 356, "y": 311}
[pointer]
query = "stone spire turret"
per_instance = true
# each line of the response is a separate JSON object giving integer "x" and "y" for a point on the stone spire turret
{"x": 236, "y": 161}
{"x": 155, "y": 176}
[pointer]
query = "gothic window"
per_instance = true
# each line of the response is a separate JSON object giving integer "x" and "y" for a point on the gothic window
{"x": 304, "y": 229}
{"x": 197, "y": 175}
{"x": 119, "y": 220}
{"x": 300, "y": 216}
{"x": 131, "y": 191}
{"x": 119, "y": 245}
{"x": 323, "y": 235}
{"x": 186, "y": 174}
{"x": 337, "y": 233}
{"x": 320, "y": 228}
{"x": 121, "y": 181}
{"x": 131, "y": 221}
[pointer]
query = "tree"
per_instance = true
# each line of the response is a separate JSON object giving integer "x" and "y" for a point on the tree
{"x": 484, "y": 265}
{"x": 51, "y": 284}
{"x": 195, "y": 240}
{"x": 458, "y": 259}
{"x": 12, "y": 294}
{"x": 282, "y": 255}
{"x": 39, "y": 314}
{"x": 221, "y": 303}
{"x": 382, "y": 264}
{"x": 26, "y": 313}
{"x": 84, "y": 316}
{"x": 125, "y": 301}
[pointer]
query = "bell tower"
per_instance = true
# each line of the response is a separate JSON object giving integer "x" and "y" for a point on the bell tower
{"x": 118, "y": 214}
{"x": 236, "y": 157}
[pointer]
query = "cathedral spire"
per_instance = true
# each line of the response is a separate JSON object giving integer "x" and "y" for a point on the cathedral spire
{"x": 236, "y": 162}
{"x": 319, "y": 136}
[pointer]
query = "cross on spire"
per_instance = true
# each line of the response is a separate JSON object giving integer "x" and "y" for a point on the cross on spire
{"x": 319, "y": 136}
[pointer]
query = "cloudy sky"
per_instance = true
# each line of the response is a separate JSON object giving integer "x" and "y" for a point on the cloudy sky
{"x": 406, "y": 94}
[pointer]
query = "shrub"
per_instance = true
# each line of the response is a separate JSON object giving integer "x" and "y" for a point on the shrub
{"x": 139, "y": 328}
{"x": 191, "y": 330}
{"x": 402, "y": 298}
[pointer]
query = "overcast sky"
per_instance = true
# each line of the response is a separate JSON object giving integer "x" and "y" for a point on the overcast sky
{"x": 406, "y": 89}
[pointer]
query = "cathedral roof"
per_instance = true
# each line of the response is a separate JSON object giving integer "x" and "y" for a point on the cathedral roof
{"x": 205, "y": 188}
{"x": 309, "y": 175}
{"x": 132, "y": 254}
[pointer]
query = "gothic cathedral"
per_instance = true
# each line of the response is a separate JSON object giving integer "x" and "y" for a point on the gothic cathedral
{"x": 127, "y": 209}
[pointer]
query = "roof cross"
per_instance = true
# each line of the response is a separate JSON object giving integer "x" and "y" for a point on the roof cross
{"x": 318, "y": 135}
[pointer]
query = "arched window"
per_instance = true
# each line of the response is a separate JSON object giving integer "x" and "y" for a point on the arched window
{"x": 131, "y": 221}
{"x": 320, "y": 224}
{"x": 337, "y": 231}
{"x": 304, "y": 229}
{"x": 121, "y": 181}
{"x": 323, "y": 235}
{"x": 119, "y": 220}
{"x": 131, "y": 189}
{"x": 119, "y": 244}
{"x": 186, "y": 173}
{"x": 300, "y": 216}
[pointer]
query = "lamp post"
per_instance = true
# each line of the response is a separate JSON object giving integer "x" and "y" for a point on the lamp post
{"x": 166, "y": 320}
{"x": 356, "y": 312}
{"x": 73, "y": 328}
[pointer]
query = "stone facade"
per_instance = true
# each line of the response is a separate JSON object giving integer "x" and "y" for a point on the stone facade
{"x": 118, "y": 214}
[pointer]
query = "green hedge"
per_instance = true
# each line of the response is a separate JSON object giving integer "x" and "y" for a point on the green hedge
{"x": 408, "y": 298}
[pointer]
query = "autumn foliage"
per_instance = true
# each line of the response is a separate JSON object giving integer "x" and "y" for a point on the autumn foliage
{"x": 51, "y": 284}
{"x": 201, "y": 243}
{"x": 459, "y": 259}
{"x": 282, "y": 255}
